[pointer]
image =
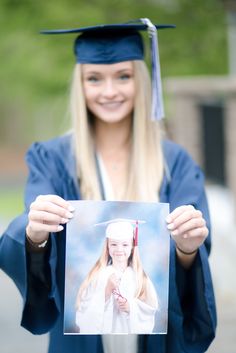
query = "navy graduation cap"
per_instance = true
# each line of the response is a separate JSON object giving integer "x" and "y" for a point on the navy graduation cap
{"x": 113, "y": 43}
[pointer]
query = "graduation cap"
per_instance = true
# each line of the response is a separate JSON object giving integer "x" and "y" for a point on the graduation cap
{"x": 113, "y": 43}
{"x": 122, "y": 229}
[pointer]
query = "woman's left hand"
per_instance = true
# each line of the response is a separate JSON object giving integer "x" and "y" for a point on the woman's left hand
{"x": 188, "y": 229}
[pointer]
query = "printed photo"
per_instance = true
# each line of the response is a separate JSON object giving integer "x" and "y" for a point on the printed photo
{"x": 117, "y": 268}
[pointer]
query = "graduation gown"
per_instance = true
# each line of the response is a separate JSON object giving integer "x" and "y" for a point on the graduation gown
{"x": 40, "y": 278}
{"x": 95, "y": 315}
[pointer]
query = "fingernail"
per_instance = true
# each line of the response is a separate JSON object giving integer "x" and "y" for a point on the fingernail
{"x": 175, "y": 232}
{"x": 71, "y": 208}
{"x": 64, "y": 220}
{"x": 69, "y": 215}
{"x": 170, "y": 226}
{"x": 60, "y": 228}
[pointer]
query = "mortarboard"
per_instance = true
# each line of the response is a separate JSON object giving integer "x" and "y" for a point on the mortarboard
{"x": 122, "y": 229}
{"x": 113, "y": 43}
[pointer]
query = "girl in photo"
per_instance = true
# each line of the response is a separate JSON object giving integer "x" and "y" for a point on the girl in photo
{"x": 117, "y": 296}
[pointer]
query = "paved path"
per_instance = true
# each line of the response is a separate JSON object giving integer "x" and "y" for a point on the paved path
{"x": 14, "y": 339}
{"x": 223, "y": 265}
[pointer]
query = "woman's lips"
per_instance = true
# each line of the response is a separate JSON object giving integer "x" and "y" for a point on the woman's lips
{"x": 111, "y": 105}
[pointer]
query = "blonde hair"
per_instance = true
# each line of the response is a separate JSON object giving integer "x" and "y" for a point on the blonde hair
{"x": 134, "y": 261}
{"x": 146, "y": 159}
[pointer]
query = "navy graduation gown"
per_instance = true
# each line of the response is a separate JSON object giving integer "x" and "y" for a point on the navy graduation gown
{"x": 192, "y": 314}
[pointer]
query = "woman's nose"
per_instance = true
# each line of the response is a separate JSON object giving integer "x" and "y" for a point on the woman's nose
{"x": 109, "y": 89}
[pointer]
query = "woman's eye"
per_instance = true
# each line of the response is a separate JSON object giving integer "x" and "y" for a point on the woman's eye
{"x": 124, "y": 77}
{"x": 92, "y": 79}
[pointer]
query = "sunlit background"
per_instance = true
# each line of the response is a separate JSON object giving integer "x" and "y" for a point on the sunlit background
{"x": 198, "y": 62}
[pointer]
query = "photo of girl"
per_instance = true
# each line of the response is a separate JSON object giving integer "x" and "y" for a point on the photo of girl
{"x": 117, "y": 296}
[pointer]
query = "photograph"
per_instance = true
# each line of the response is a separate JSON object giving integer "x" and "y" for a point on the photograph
{"x": 117, "y": 268}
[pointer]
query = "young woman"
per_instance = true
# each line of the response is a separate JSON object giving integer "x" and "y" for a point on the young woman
{"x": 114, "y": 152}
{"x": 117, "y": 296}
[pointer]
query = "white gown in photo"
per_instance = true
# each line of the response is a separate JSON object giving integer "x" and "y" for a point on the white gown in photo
{"x": 95, "y": 316}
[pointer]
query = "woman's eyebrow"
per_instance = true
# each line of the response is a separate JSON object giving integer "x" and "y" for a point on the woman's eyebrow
{"x": 126, "y": 70}
{"x": 91, "y": 73}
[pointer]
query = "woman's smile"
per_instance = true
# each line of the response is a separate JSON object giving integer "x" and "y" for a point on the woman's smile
{"x": 114, "y": 105}
{"x": 109, "y": 90}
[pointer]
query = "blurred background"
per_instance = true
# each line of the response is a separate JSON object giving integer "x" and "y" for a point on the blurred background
{"x": 199, "y": 76}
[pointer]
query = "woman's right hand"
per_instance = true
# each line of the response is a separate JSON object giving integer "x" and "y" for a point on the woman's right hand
{"x": 47, "y": 214}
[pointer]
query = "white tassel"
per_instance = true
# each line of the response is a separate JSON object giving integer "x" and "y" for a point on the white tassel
{"x": 157, "y": 112}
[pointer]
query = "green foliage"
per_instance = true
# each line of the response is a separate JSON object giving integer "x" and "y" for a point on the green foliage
{"x": 11, "y": 203}
{"x": 35, "y": 70}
